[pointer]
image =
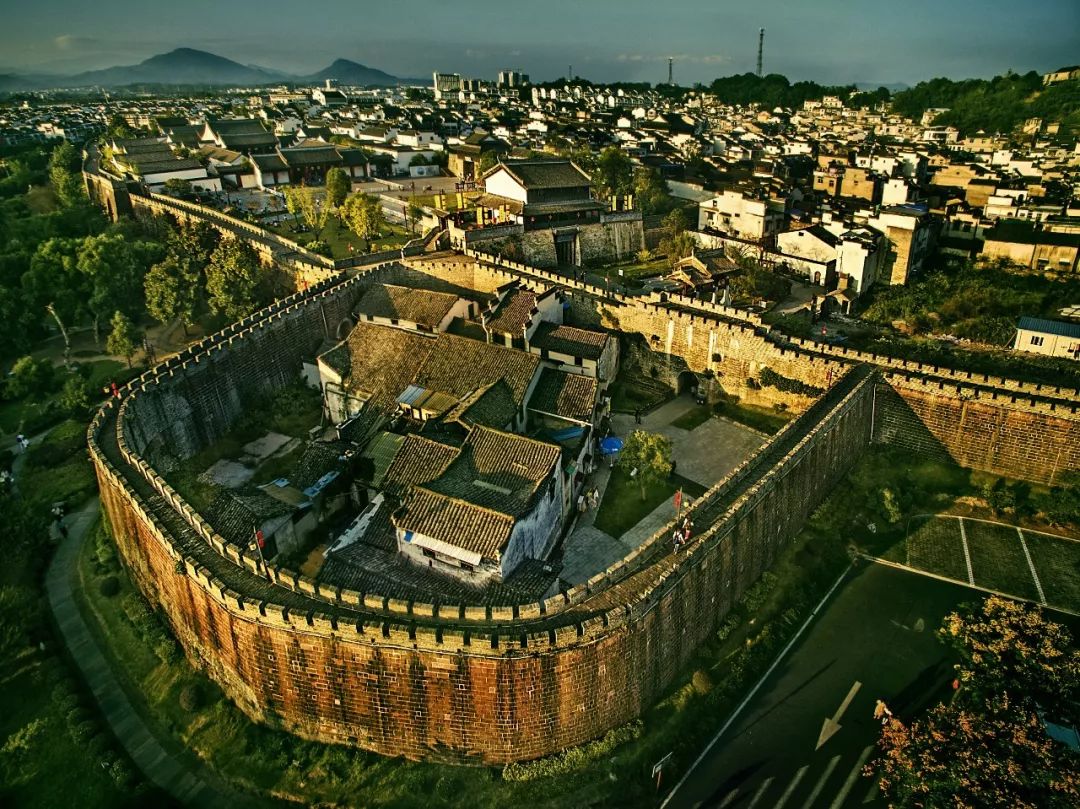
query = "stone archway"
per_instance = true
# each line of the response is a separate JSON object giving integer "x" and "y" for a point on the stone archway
{"x": 344, "y": 328}
{"x": 687, "y": 383}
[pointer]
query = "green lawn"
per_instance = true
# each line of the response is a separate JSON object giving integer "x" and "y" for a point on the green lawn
{"x": 340, "y": 239}
{"x": 622, "y": 507}
{"x": 764, "y": 419}
{"x": 692, "y": 418}
{"x": 58, "y": 468}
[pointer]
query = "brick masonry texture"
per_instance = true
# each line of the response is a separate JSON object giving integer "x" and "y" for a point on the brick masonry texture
{"x": 477, "y": 684}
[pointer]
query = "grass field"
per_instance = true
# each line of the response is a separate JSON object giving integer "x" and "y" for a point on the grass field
{"x": 998, "y": 561}
{"x": 692, "y": 418}
{"x": 622, "y": 507}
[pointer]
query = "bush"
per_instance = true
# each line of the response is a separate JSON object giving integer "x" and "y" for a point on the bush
{"x": 891, "y": 505}
{"x": 572, "y": 758}
{"x": 320, "y": 247}
{"x": 190, "y": 698}
{"x": 757, "y": 595}
{"x": 701, "y": 682}
{"x": 30, "y": 377}
{"x": 770, "y": 378}
{"x": 110, "y": 586}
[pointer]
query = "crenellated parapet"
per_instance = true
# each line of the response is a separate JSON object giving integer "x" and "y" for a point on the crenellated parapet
{"x": 491, "y": 683}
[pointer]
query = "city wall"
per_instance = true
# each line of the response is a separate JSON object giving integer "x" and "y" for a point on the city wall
{"x": 490, "y": 684}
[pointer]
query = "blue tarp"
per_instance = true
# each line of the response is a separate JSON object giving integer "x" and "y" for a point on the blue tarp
{"x": 610, "y": 445}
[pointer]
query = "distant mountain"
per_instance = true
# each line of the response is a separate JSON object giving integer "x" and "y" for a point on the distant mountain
{"x": 181, "y": 66}
{"x": 345, "y": 71}
{"x": 185, "y": 66}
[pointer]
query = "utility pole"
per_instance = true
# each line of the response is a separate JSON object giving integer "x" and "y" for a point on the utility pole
{"x": 760, "y": 49}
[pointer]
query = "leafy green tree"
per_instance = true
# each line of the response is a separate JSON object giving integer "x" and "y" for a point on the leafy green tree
{"x": 235, "y": 280}
{"x": 123, "y": 340}
{"x": 75, "y": 395}
{"x": 53, "y": 286}
{"x": 338, "y": 186}
{"x": 64, "y": 175}
{"x": 115, "y": 268}
{"x": 310, "y": 205}
{"x": 172, "y": 289}
{"x": 118, "y": 128}
{"x": 488, "y": 160}
{"x": 30, "y": 377}
{"x": 650, "y": 191}
{"x": 363, "y": 215}
{"x": 677, "y": 246}
{"x": 178, "y": 186}
{"x": 414, "y": 212}
{"x": 988, "y": 746}
{"x": 614, "y": 173}
{"x": 650, "y": 455}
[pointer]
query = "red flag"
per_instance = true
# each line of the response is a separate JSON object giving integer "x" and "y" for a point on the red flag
{"x": 259, "y": 538}
{"x": 678, "y": 499}
{"x": 115, "y": 390}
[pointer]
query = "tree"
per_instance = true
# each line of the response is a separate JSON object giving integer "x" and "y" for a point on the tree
{"x": 989, "y": 746}
{"x": 75, "y": 395}
{"x": 123, "y": 339}
{"x": 178, "y": 186}
{"x": 650, "y": 455}
{"x": 171, "y": 289}
{"x": 415, "y": 213}
{"x": 488, "y": 160}
{"x": 363, "y": 215}
{"x": 311, "y": 206}
{"x": 115, "y": 268}
{"x": 650, "y": 191}
{"x": 338, "y": 185}
{"x": 234, "y": 279}
{"x": 30, "y": 377}
{"x": 64, "y": 176}
{"x": 614, "y": 173}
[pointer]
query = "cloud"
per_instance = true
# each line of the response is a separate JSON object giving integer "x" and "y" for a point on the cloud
{"x": 65, "y": 42}
{"x": 691, "y": 58}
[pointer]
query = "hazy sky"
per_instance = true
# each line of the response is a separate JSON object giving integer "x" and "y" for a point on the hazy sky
{"x": 826, "y": 40}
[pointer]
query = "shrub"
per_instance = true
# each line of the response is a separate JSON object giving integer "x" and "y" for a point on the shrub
{"x": 190, "y": 699}
{"x": 891, "y": 505}
{"x": 83, "y": 732}
{"x": 320, "y": 247}
{"x": 165, "y": 649}
{"x": 572, "y": 758}
{"x": 110, "y": 586}
{"x": 770, "y": 378}
{"x": 701, "y": 682}
{"x": 757, "y": 595}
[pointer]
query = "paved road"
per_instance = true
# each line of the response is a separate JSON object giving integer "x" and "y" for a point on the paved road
{"x": 874, "y": 640}
{"x": 158, "y": 764}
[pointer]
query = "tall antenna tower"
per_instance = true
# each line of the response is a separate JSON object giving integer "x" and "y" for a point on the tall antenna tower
{"x": 670, "y": 70}
{"x": 760, "y": 49}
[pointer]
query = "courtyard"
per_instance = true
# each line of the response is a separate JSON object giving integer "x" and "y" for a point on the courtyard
{"x": 704, "y": 448}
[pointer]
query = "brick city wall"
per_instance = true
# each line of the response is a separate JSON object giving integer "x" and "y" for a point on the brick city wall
{"x": 1003, "y": 432}
{"x": 486, "y": 693}
{"x": 495, "y": 684}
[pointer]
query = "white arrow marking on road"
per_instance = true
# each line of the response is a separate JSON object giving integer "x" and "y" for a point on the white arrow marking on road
{"x": 760, "y": 792}
{"x": 829, "y": 728}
